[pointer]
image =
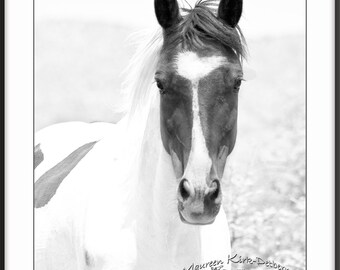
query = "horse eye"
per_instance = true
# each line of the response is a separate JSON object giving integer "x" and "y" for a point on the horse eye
{"x": 160, "y": 87}
{"x": 237, "y": 85}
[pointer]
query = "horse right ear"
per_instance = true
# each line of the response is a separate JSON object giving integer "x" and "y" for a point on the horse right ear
{"x": 167, "y": 12}
{"x": 230, "y": 11}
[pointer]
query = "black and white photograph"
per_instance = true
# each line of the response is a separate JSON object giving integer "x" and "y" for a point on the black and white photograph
{"x": 170, "y": 134}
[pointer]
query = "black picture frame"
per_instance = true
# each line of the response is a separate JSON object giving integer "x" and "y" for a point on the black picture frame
{"x": 2, "y": 146}
{"x": 337, "y": 135}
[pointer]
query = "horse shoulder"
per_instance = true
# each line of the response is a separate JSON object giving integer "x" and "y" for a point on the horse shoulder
{"x": 109, "y": 229}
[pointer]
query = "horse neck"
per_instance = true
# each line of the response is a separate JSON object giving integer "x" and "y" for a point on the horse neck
{"x": 159, "y": 227}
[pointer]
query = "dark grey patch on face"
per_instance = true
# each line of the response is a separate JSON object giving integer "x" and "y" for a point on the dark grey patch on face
{"x": 176, "y": 116}
{"x": 47, "y": 185}
{"x": 218, "y": 100}
{"x": 38, "y": 155}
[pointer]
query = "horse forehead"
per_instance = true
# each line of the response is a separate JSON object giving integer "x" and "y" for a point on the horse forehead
{"x": 193, "y": 67}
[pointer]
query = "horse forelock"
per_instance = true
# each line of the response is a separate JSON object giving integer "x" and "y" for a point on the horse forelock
{"x": 200, "y": 25}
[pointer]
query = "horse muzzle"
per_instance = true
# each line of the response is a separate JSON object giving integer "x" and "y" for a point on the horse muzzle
{"x": 199, "y": 205}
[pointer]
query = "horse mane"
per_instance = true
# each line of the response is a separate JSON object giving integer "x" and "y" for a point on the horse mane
{"x": 139, "y": 74}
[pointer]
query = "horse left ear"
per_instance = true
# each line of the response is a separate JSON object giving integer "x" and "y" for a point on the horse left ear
{"x": 167, "y": 12}
{"x": 230, "y": 11}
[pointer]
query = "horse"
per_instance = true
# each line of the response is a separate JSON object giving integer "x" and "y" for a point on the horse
{"x": 146, "y": 193}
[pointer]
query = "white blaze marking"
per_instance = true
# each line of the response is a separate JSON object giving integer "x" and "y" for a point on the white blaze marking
{"x": 193, "y": 68}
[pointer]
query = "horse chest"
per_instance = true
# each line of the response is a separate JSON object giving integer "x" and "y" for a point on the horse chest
{"x": 131, "y": 249}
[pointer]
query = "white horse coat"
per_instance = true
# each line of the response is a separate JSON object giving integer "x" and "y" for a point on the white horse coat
{"x": 99, "y": 219}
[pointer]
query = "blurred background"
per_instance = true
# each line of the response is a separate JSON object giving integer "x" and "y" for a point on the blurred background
{"x": 82, "y": 48}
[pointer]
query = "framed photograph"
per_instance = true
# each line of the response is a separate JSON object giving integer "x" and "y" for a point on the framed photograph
{"x": 170, "y": 134}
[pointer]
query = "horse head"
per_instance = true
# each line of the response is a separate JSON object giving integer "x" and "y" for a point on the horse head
{"x": 199, "y": 75}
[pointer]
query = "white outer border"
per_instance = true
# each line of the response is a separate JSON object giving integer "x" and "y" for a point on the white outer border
{"x": 320, "y": 134}
{"x": 19, "y": 119}
{"x": 19, "y": 134}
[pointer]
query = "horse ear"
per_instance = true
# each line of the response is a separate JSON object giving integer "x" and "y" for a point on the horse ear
{"x": 167, "y": 12}
{"x": 230, "y": 11}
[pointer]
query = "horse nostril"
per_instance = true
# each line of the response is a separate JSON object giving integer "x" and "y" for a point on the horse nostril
{"x": 214, "y": 190}
{"x": 185, "y": 189}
